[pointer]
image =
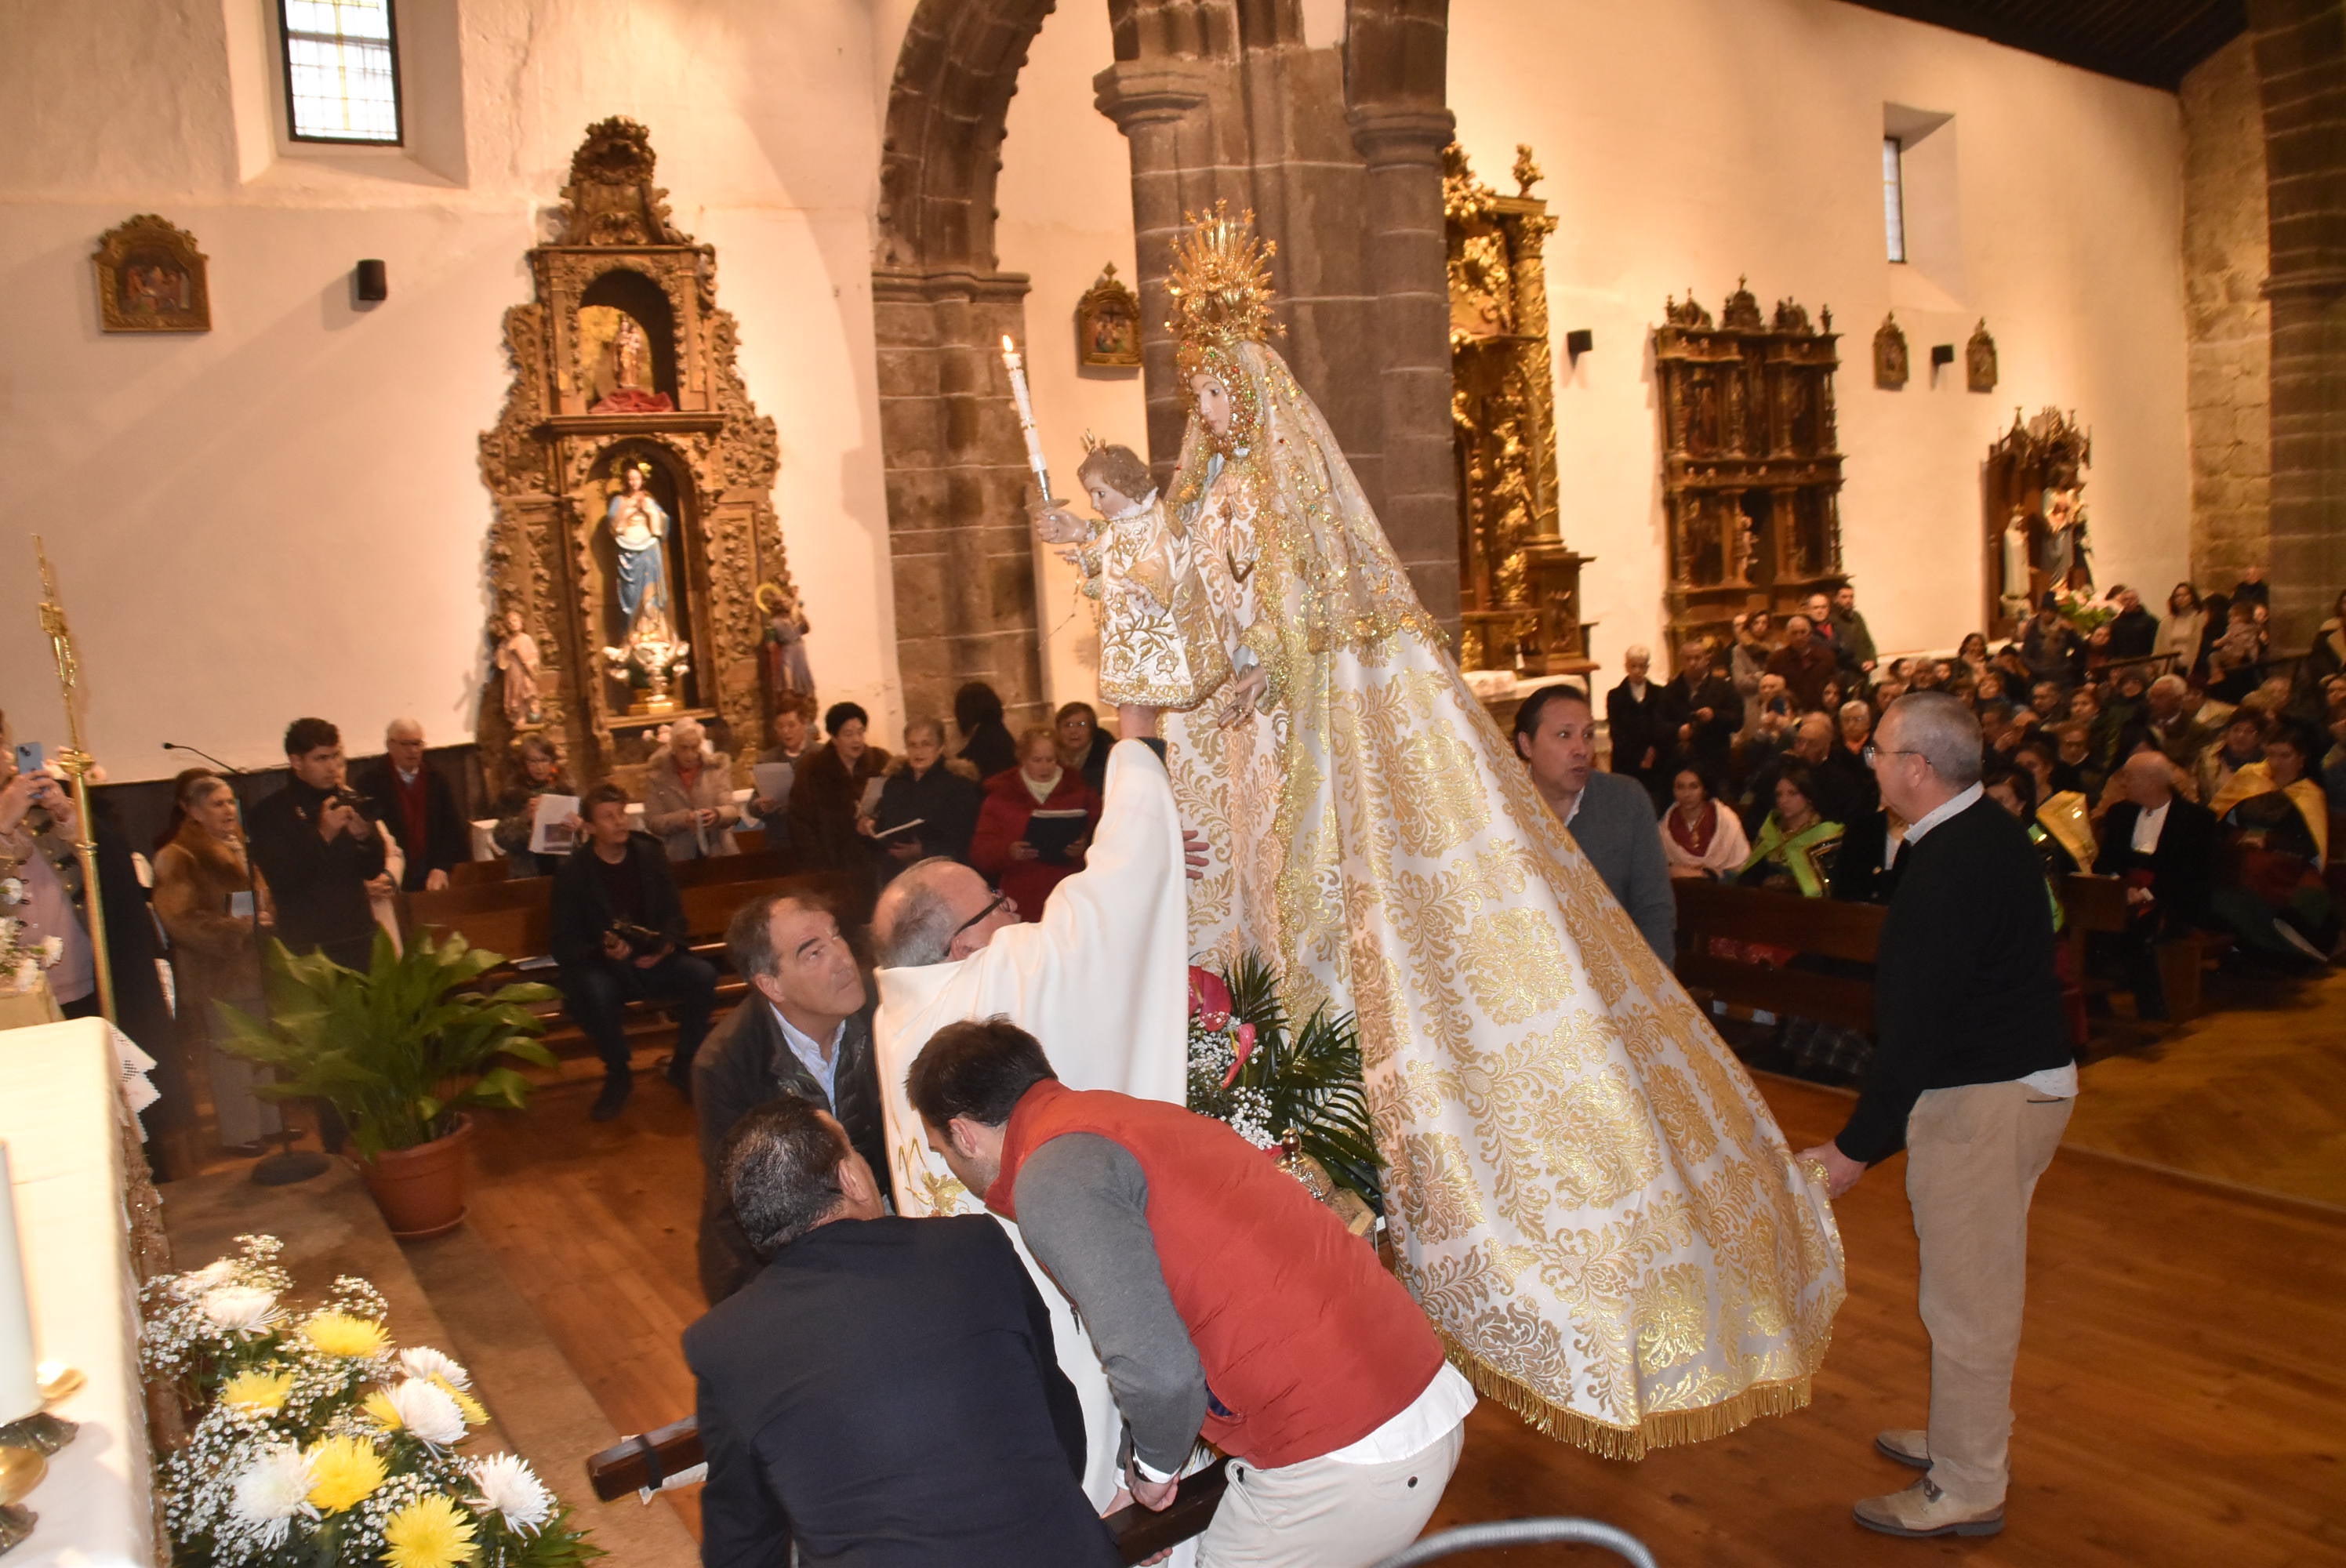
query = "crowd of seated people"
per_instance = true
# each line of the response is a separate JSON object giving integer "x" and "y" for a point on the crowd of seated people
{"x": 2089, "y": 718}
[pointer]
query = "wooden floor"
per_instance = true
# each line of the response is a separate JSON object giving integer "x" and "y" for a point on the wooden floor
{"x": 2180, "y": 1395}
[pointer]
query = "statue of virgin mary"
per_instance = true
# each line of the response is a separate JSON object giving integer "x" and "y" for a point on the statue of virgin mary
{"x": 1591, "y": 1200}
{"x": 638, "y": 525}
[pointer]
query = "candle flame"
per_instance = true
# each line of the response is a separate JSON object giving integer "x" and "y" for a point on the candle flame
{"x": 1007, "y": 346}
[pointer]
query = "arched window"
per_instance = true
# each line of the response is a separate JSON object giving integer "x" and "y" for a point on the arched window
{"x": 341, "y": 70}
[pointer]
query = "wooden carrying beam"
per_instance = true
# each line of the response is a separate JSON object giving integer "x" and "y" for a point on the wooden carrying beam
{"x": 635, "y": 1463}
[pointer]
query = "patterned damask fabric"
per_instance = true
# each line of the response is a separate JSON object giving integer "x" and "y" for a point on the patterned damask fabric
{"x": 1591, "y": 1200}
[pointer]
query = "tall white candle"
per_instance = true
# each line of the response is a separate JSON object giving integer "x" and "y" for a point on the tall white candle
{"x": 20, "y": 1391}
{"x": 1016, "y": 366}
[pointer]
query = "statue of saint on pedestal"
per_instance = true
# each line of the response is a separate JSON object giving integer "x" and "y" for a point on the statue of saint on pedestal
{"x": 631, "y": 369}
{"x": 638, "y": 525}
{"x": 518, "y": 661}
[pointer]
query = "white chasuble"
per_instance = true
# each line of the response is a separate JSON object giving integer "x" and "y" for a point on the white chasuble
{"x": 1102, "y": 981}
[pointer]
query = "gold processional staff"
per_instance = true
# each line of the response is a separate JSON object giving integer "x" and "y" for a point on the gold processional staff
{"x": 78, "y": 763}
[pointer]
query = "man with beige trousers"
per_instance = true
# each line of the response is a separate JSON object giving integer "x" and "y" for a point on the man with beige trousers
{"x": 1973, "y": 1072}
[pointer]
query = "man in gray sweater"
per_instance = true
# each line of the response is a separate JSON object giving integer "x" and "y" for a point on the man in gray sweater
{"x": 1609, "y": 816}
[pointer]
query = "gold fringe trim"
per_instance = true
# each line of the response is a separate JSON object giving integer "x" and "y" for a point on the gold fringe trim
{"x": 1664, "y": 1428}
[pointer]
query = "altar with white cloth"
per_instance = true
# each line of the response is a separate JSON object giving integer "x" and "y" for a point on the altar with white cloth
{"x": 63, "y": 1117}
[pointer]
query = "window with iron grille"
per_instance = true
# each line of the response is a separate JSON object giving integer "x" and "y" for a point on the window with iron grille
{"x": 341, "y": 70}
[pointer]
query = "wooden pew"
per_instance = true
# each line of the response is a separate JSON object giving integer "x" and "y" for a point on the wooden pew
{"x": 1819, "y": 928}
{"x": 637, "y": 1463}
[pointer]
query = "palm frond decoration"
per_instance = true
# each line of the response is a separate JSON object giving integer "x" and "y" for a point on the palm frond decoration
{"x": 1308, "y": 1078}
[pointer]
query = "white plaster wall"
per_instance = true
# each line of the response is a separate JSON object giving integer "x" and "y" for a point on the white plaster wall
{"x": 1686, "y": 141}
{"x": 1065, "y": 201}
{"x": 285, "y": 515}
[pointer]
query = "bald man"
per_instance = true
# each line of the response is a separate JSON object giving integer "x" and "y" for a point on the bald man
{"x": 418, "y": 806}
{"x": 1101, "y": 977}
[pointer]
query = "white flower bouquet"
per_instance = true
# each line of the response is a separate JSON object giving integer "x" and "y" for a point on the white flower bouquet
{"x": 21, "y": 961}
{"x": 317, "y": 1440}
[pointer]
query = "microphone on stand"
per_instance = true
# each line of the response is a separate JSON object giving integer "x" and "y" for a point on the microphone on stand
{"x": 229, "y": 767}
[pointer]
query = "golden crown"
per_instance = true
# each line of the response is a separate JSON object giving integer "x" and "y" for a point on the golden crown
{"x": 1221, "y": 282}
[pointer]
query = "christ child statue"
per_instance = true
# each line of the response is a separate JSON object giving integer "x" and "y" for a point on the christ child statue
{"x": 1160, "y": 643}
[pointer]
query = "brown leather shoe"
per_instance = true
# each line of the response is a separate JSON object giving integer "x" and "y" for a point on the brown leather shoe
{"x": 1922, "y": 1510}
{"x": 1906, "y": 1446}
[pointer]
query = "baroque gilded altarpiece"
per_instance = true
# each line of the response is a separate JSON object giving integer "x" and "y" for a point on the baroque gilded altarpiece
{"x": 1751, "y": 460}
{"x": 619, "y": 271}
{"x": 1519, "y": 584}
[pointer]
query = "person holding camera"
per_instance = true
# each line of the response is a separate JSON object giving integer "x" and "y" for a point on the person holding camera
{"x": 620, "y": 937}
{"x": 321, "y": 850}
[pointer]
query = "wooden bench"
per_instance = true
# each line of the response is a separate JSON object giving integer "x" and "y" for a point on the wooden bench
{"x": 635, "y": 1463}
{"x": 1817, "y": 928}
{"x": 514, "y": 917}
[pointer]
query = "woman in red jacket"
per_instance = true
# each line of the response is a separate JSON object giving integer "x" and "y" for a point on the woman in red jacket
{"x": 1021, "y": 855}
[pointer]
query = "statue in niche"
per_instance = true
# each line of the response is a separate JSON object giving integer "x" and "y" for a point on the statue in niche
{"x": 638, "y": 525}
{"x": 518, "y": 662}
{"x": 783, "y": 644}
{"x": 623, "y": 360}
{"x": 2067, "y": 556}
{"x": 2016, "y": 565}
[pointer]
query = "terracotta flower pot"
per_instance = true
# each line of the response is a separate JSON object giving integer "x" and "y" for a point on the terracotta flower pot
{"x": 421, "y": 1191}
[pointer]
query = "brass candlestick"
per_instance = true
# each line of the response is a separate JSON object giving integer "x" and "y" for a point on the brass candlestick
{"x": 77, "y": 762}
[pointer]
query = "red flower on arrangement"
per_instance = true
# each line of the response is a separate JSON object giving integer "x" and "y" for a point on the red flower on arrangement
{"x": 1241, "y": 1047}
{"x": 1210, "y": 999}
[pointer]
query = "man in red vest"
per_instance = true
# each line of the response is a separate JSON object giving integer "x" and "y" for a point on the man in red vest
{"x": 1222, "y": 1299}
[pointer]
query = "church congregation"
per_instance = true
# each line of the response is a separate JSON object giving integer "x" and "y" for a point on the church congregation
{"x": 1183, "y": 831}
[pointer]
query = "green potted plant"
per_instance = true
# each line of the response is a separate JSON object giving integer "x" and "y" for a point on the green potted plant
{"x": 400, "y": 1051}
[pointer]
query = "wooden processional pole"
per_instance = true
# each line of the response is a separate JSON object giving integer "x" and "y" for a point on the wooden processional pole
{"x": 76, "y": 763}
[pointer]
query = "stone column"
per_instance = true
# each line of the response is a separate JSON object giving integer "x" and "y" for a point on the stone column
{"x": 1149, "y": 100}
{"x": 960, "y": 549}
{"x": 1402, "y": 145}
{"x": 2300, "y": 51}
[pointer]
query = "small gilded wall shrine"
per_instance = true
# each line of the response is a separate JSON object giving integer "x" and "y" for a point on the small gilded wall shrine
{"x": 1519, "y": 584}
{"x": 633, "y": 480}
{"x": 1751, "y": 466}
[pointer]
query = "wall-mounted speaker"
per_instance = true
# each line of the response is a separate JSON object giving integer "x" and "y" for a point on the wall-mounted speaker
{"x": 371, "y": 284}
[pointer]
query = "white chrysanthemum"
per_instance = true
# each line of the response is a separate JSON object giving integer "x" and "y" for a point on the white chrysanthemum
{"x": 53, "y": 947}
{"x": 510, "y": 1488}
{"x": 423, "y": 1362}
{"x": 274, "y": 1491}
{"x": 429, "y": 1411}
{"x": 210, "y": 1277}
{"x": 12, "y": 890}
{"x": 240, "y": 1308}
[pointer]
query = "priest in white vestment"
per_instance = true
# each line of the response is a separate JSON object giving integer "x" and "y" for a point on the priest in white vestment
{"x": 1100, "y": 977}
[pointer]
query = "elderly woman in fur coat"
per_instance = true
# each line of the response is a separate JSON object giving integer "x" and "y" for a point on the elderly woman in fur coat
{"x": 827, "y": 802}
{"x": 200, "y": 874}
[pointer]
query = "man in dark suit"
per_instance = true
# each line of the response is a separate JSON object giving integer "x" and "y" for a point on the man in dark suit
{"x": 1634, "y": 720}
{"x": 1972, "y": 1073}
{"x": 418, "y": 806}
{"x": 620, "y": 937}
{"x": 2165, "y": 848}
{"x": 805, "y": 1031}
{"x": 884, "y": 1394}
{"x": 1700, "y": 712}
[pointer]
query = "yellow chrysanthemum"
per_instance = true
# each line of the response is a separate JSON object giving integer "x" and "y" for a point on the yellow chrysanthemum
{"x": 430, "y": 1532}
{"x": 386, "y": 1414}
{"x": 339, "y": 1334}
{"x": 261, "y": 1389}
{"x": 343, "y": 1472}
{"x": 476, "y": 1413}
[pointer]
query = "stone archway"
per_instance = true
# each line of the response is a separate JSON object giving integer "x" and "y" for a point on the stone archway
{"x": 1336, "y": 148}
{"x": 961, "y": 556}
